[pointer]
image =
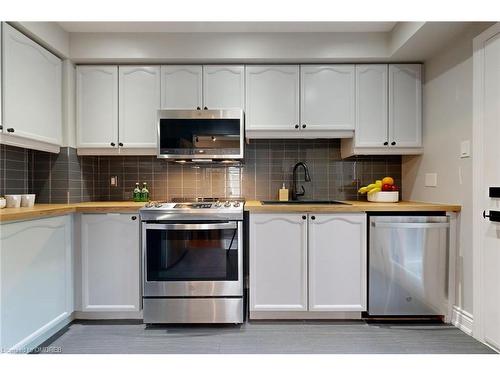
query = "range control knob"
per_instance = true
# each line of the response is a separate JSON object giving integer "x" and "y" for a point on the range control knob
{"x": 218, "y": 204}
{"x": 236, "y": 204}
{"x": 227, "y": 204}
{"x": 158, "y": 205}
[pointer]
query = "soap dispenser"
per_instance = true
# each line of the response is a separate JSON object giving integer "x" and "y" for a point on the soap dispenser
{"x": 283, "y": 193}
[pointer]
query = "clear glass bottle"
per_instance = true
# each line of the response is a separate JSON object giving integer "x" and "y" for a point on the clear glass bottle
{"x": 144, "y": 192}
{"x": 137, "y": 193}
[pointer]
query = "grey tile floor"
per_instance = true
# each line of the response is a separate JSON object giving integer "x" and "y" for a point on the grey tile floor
{"x": 265, "y": 338}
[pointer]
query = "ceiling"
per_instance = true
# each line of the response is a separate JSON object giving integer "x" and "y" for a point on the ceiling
{"x": 243, "y": 27}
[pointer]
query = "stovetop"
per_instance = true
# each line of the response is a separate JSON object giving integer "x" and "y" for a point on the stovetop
{"x": 194, "y": 209}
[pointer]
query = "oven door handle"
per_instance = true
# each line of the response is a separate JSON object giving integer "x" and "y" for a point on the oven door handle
{"x": 193, "y": 226}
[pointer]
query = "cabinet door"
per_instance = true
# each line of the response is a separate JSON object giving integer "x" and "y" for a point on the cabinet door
{"x": 181, "y": 86}
{"x": 337, "y": 262}
{"x": 97, "y": 106}
{"x": 36, "y": 280}
{"x": 405, "y": 105}
{"x": 278, "y": 262}
{"x": 272, "y": 97}
{"x": 110, "y": 262}
{"x": 138, "y": 105}
{"x": 371, "y": 106}
{"x": 224, "y": 86}
{"x": 327, "y": 97}
{"x": 32, "y": 89}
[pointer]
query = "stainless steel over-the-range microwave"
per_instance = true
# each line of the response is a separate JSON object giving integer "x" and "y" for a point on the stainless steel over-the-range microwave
{"x": 198, "y": 135}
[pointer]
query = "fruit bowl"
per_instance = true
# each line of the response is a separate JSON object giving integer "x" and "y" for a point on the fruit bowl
{"x": 384, "y": 196}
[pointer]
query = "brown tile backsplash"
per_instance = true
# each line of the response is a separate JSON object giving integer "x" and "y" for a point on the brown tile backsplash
{"x": 268, "y": 164}
{"x": 67, "y": 177}
{"x": 55, "y": 178}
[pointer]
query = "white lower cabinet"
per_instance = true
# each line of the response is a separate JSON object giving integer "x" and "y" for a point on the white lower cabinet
{"x": 36, "y": 278}
{"x": 337, "y": 262}
{"x": 110, "y": 262}
{"x": 308, "y": 263}
{"x": 278, "y": 262}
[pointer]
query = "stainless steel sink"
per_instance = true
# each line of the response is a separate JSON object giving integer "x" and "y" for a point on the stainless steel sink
{"x": 305, "y": 202}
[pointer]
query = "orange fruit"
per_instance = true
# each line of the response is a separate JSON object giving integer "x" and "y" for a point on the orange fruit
{"x": 387, "y": 181}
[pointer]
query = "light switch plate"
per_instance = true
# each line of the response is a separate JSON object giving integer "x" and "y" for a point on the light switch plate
{"x": 465, "y": 149}
{"x": 113, "y": 181}
{"x": 431, "y": 179}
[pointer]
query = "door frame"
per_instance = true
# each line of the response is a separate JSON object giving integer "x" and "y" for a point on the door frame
{"x": 478, "y": 174}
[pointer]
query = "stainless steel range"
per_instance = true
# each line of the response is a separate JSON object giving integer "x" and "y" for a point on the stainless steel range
{"x": 192, "y": 257}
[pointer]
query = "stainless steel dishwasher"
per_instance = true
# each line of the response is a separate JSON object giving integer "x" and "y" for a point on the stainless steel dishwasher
{"x": 408, "y": 265}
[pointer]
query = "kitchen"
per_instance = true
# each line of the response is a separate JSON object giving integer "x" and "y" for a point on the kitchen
{"x": 207, "y": 188}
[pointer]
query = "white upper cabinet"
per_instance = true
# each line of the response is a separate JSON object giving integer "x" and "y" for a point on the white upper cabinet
{"x": 405, "y": 105}
{"x": 371, "y": 106}
{"x": 139, "y": 101}
{"x": 110, "y": 262}
{"x": 181, "y": 86}
{"x": 388, "y": 111}
{"x": 32, "y": 89}
{"x": 327, "y": 97}
{"x": 97, "y": 106}
{"x": 224, "y": 86}
{"x": 337, "y": 262}
{"x": 272, "y": 98}
{"x": 278, "y": 262}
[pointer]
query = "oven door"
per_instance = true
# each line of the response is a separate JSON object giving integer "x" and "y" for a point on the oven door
{"x": 192, "y": 259}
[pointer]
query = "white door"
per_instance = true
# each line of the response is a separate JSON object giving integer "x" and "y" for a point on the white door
{"x": 181, "y": 86}
{"x": 337, "y": 262}
{"x": 278, "y": 262}
{"x": 405, "y": 105}
{"x": 139, "y": 101}
{"x": 488, "y": 157}
{"x": 371, "y": 106}
{"x": 97, "y": 106}
{"x": 272, "y": 98}
{"x": 327, "y": 97}
{"x": 110, "y": 262}
{"x": 32, "y": 89}
{"x": 223, "y": 86}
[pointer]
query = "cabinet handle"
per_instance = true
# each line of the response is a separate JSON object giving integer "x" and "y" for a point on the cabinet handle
{"x": 112, "y": 144}
{"x": 205, "y": 108}
{"x": 304, "y": 126}
{"x": 10, "y": 130}
{"x": 134, "y": 217}
{"x": 198, "y": 108}
{"x": 313, "y": 217}
{"x": 304, "y": 217}
{"x": 296, "y": 126}
{"x": 120, "y": 144}
{"x": 1, "y": 127}
{"x": 393, "y": 143}
{"x": 386, "y": 143}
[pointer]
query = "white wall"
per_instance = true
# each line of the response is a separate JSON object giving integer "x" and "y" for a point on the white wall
{"x": 48, "y": 34}
{"x": 227, "y": 47}
{"x": 447, "y": 117}
{"x": 68, "y": 104}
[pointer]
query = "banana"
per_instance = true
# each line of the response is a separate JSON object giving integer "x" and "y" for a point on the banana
{"x": 363, "y": 190}
{"x": 374, "y": 190}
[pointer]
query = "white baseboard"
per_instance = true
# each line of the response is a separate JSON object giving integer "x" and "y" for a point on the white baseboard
{"x": 462, "y": 320}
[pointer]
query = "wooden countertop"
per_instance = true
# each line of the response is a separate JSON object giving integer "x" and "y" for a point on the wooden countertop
{"x": 354, "y": 206}
{"x": 47, "y": 210}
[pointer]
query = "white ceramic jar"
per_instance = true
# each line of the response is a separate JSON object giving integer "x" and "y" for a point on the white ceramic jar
{"x": 13, "y": 200}
{"x": 3, "y": 202}
{"x": 28, "y": 200}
